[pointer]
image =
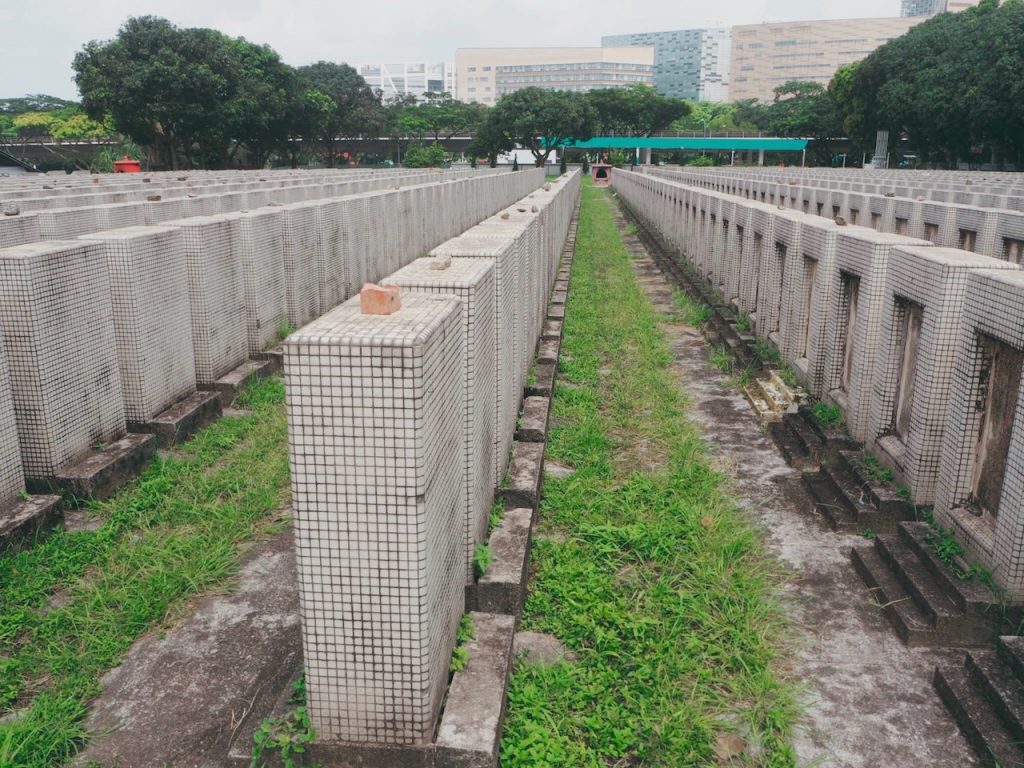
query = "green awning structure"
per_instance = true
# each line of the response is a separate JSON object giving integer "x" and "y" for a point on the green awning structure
{"x": 673, "y": 143}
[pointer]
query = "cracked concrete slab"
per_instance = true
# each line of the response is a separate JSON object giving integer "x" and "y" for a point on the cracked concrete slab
{"x": 184, "y": 696}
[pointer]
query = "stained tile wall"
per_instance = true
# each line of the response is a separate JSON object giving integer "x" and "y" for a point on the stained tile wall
{"x": 152, "y": 326}
{"x": 66, "y": 384}
{"x": 934, "y": 279}
{"x": 472, "y": 281}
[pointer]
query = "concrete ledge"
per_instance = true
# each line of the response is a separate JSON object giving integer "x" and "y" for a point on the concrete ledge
{"x": 559, "y": 297}
{"x": 502, "y": 589}
{"x": 470, "y": 731}
{"x": 28, "y": 519}
{"x": 533, "y": 427}
{"x": 524, "y": 476}
{"x": 556, "y": 311}
{"x": 350, "y": 755}
{"x": 552, "y": 329}
{"x": 545, "y": 380}
{"x": 182, "y": 420}
{"x": 548, "y": 350}
{"x": 229, "y": 385}
{"x": 275, "y": 356}
{"x": 561, "y": 284}
{"x": 102, "y": 471}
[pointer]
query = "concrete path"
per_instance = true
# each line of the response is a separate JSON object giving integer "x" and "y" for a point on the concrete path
{"x": 191, "y": 697}
{"x": 869, "y": 699}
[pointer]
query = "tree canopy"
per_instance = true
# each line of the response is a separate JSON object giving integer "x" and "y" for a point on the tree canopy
{"x": 199, "y": 96}
{"x": 953, "y": 85}
{"x": 636, "y": 110}
{"x": 538, "y": 120}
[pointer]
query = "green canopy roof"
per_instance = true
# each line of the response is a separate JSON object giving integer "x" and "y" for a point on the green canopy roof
{"x": 768, "y": 144}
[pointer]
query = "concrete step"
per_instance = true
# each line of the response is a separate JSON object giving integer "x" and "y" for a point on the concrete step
{"x": 894, "y": 567}
{"x": 909, "y": 621}
{"x": 883, "y": 497}
{"x": 843, "y": 504}
{"x": 991, "y": 740}
{"x": 763, "y": 409}
{"x": 918, "y": 581}
{"x": 833, "y": 439}
{"x": 805, "y": 433}
{"x": 774, "y": 392}
{"x": 1011, "y": 651}
{"x": 1003, "y": 690}
{"x": 970, "y": 595}
{"x": 790, "y": 446}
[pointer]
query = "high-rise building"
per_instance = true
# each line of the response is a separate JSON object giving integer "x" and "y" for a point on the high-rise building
{"x": 933, "y": 7}
{"x": 485, "y": 74}
{"x": 410, "y": 78}
{"x": 688, "y": 63}
{"x": 764, "y": 56}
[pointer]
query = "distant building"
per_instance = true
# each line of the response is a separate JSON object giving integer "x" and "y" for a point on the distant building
{"x": 765, "y": 56}
{"x": 410, "y": 78}
{"x": 485, "y": 74}
{"x": 933, "y": 7}
{"x": 688, "y": 63}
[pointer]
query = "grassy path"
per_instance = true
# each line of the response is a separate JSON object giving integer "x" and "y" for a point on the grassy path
{"x": 71, "y": 606}
{"x": 643, "y": 565}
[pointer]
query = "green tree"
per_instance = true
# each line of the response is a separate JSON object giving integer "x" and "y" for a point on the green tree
{"x": 418, "y": 156}
{"x": 713, "y": 117}
{"x": 538, "y": 120}
{"x": 155, "y": 82}
{"x": 191, "y": 94}
{"x": 952, "y": 85}
{"x": 354, "y": 109}
{"x": 635, "y": 110}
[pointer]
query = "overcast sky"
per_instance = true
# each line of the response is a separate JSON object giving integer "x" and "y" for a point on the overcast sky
{"x": 39, "y": 39}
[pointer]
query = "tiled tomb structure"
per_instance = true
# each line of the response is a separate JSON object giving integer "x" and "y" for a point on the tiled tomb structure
{"x": 18, "y": 230}
{"x": 503, "y": 254}
{"x": 921, "y": 306}
{"x": 12, "y": 478}
{"x": 216, "y": 290}
{"x": 82, "y": 214}
{"x": 980, "y": 491}
{"x": 356, "y": 455}
{"x": 781, "y": 250}
{"x": 260, "y": 245}
{"x": 962, "y": 220}
{"x": 854, "y": 320}
{"x": 959, "y": 420}
{"x": 221, "y": 298}
{"x": 376, "y": 435}
{"x": 57, "y": 320}
{"x": 472, "y": 281}
{"x": 810, "y": 292}
{"x": 301, "y": 245}
{"x": 150, "y": 300}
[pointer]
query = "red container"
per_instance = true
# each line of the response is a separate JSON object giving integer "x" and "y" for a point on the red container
{"x": 127, "y": 165}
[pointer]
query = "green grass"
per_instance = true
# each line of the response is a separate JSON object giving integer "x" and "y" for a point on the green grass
{"x": 768, "y": 352}
{"x": 647, "y": 571}
{"x": 828, "y": 415}
{"x": 689, "y": 310}
{"x": 72, "y": 605}
{"x": 789, "y": 377}
{"x": 743, "y": 324}
{"x": 874, "y": 470}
